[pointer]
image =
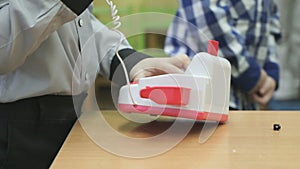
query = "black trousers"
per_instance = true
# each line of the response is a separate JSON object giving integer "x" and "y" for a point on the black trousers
{"x": 33, "y": 130}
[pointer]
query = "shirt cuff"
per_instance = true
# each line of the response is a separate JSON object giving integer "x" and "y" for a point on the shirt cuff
{"x": 249, "y": 78}
{"x": 130, "y": 58}
{"x": 272, "y": 69}
{"x": 77, "y": 6}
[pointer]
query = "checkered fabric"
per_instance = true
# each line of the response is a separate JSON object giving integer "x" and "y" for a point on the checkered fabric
{"x": 247, "y": 31}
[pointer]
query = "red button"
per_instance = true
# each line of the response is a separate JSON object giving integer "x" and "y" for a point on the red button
{"x": 171, "y": 95}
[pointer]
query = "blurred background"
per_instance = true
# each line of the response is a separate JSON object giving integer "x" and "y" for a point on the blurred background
{"x": 286, "y": 98}
{"x": 125, "y": 8}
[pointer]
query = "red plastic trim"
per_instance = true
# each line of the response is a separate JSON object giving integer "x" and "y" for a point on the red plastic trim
{"x": 189, "y": 114}
{"x": 213, "y": 47}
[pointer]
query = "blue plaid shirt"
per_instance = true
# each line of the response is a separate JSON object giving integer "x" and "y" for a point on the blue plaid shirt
{"x": 247, "y": 31}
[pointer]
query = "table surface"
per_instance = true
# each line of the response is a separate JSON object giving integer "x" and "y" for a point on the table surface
{"x": 247, "y": 140}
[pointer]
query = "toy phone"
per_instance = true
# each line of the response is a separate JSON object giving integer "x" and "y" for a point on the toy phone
{"x": 201, "y": 93}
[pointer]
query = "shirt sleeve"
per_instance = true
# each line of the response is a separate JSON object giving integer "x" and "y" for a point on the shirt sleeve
{"x": 271, "y": 64}
{"x": 213, "y": 21}
{"x": 24, "y": 25}
{"x": 179, "y": 37}
{"x": 107, "y": 42}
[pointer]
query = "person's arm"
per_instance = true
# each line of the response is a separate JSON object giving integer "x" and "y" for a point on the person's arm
{"x": 138, "y": 64}
{"x": 214, "y": 21}
{"x": 107, "y": 41}
{"x": 25, "y": 24}
{"x": 265, "y": 93}
{"x": 271, "y": 63}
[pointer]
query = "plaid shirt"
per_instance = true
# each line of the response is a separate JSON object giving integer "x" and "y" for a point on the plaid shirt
{"x": 247, "y": 31}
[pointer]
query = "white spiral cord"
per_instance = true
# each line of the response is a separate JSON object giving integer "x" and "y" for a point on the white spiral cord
{"x": 113, "y": 13}
{"x": 116, "y": 24}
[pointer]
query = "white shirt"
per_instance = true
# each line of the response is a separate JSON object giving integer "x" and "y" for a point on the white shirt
{"x": 45, "y": 48}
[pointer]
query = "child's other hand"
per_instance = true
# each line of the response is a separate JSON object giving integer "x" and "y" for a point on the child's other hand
{"x": 265, "y": 92}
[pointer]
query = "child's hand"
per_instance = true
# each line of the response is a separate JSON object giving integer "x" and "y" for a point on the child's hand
{"x": 265, "y": 92}
{"x": 157, "y": 66}
{"x": 259, "y": 84}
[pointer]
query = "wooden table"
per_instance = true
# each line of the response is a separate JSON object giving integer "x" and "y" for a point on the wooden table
{"x": 247, "y": 140}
